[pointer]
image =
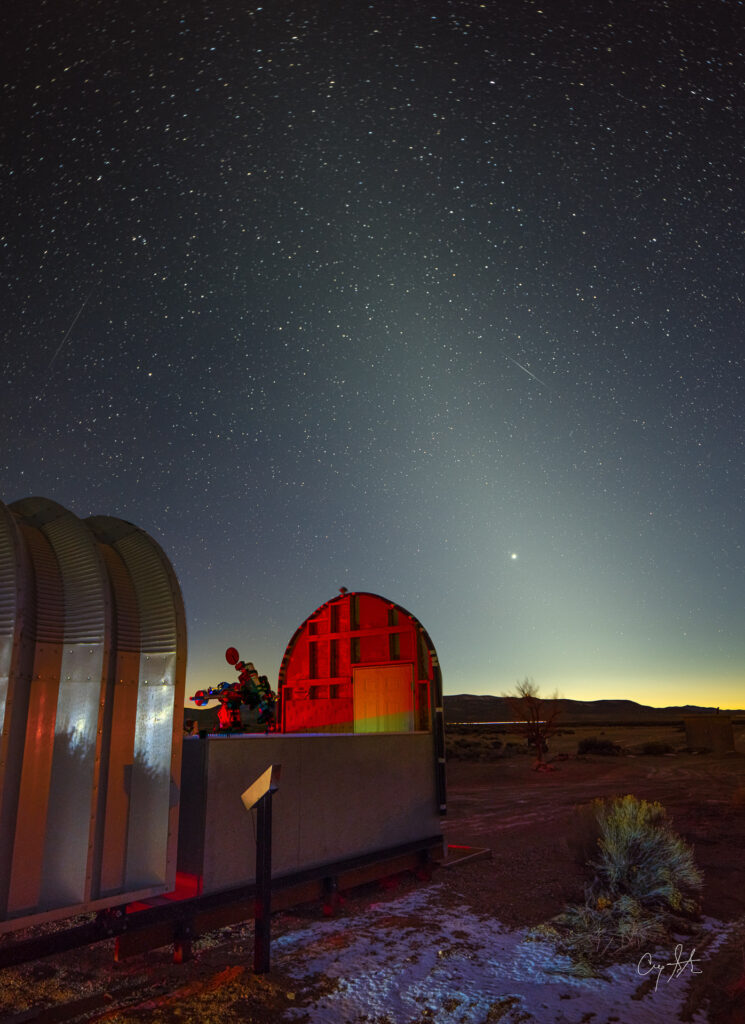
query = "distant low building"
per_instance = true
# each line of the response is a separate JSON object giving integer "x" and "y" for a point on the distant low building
{"x": 710, "y": 732}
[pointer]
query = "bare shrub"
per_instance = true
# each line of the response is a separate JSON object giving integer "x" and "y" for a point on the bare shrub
{"x": 535, "y": 717}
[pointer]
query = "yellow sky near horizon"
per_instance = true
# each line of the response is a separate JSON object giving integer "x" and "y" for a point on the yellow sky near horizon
{"x": 723, "y": 692}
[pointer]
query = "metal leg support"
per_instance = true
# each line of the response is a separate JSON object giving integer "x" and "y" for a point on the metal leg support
{"x": 263, "y": 884}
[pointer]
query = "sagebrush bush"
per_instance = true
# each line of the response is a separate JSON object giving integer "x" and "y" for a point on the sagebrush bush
{"x": 472, "y": 747}
{"x": 645, "y": 881}
{"x": 656, "y": 748}
{"x": 642, "y": 857}
{"x": 594, "y": 745}
{"x": 597, "y": 933}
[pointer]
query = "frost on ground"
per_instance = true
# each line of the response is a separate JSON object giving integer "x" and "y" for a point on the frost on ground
{"x": 407, "y": 961}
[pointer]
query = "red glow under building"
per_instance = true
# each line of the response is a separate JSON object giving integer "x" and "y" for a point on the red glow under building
{"x": 360, "y": 663}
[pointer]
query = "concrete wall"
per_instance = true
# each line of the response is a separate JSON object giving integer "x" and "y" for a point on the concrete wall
{"x": 340, "y": 796}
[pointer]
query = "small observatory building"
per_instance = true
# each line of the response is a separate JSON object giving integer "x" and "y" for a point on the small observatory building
{"x": 360, "y": 663}
{"x": 361, "y": 745}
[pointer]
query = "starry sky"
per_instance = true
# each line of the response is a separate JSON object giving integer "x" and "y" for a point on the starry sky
{"x": 438, "y": 300}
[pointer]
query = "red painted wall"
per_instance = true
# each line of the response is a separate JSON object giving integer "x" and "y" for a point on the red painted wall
{"x": 316, "y": 680}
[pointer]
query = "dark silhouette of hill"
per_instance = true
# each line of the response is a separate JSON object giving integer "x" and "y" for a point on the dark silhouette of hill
{"x": 469, "y": 707}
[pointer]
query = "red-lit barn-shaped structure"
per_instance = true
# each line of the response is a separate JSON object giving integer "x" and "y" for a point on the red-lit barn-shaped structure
{"x": 360, "y": 663}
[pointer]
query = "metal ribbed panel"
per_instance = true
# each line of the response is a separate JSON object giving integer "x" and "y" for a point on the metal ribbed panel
{"x": 31, "y": 768}
{"x": 88, "y": 815}
{"x": 80, "y": 562}
{"x": 153, "y": 818}
{"x": 15, "y": 664}
{"x": 127, "y": 617}
{"x": 82, "y": 571}
{"x": 118, "y": 730}
{"x": 9, "y": 548}
{"x": 66, "y": 872}
{"x": 44, "y": 579}
{"x": 155, "y": 594}
{"x": 9, "y": 629}
{"x": 159, "y": 600}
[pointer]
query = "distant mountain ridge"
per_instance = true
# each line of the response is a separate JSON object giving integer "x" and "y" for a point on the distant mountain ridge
{"x": 472, "y": 707}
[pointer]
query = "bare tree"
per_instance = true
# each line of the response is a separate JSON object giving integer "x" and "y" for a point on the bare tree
{"x": 536, "y": 717}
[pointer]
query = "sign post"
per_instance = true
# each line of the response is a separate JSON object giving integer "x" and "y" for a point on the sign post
{"x": 259, "y": 795}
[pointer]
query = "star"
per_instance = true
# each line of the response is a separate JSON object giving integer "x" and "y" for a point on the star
{"x": 264, "y": 358}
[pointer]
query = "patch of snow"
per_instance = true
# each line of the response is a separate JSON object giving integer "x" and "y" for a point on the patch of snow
{"x": 408, "y": 961}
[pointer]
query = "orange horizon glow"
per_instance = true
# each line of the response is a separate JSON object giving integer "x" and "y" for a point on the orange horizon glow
{"x": 657, "y": 683}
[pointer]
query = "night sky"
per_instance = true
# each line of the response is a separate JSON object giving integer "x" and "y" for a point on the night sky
{"x": 443, "y": 301}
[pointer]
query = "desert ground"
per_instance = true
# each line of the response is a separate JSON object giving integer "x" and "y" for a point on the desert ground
{"x": 525, "y": 816}
{"x": 453, "y": 950}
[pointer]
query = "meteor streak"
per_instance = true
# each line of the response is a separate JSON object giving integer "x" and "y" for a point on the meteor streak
{"x": 526, "y": 370}
{"x": 68, "y": 332}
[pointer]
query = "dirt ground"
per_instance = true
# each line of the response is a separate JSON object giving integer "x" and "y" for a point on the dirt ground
{"x": 526, "y": 818}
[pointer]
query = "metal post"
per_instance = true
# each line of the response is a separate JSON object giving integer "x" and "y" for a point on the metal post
{"x": 330, "y": 895}
{"x": 259, "y": 795}
{"x": 263, "y": 904}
